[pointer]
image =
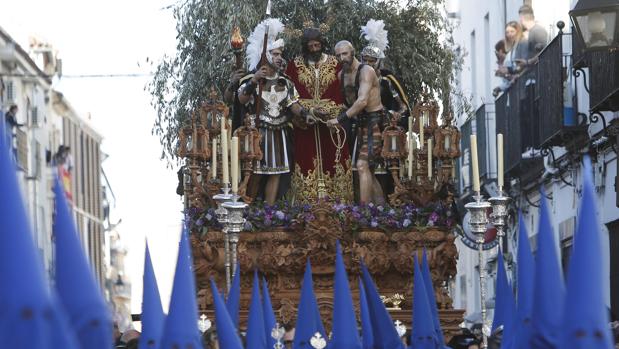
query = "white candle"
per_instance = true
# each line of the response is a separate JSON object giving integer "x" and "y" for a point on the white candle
{"x": 447, "y": 143}
{"x": 393, "y": 144}
{"x": 411, "y": 152}
{"x": 421, "y": 132}
{"x": 224, "y": 157}
{"x": 247, "y": 143}
{"x": 234, "y": 158}
{"x": 499, "y": 163}
{"x": 429, "y": 158}
{"x": 410, "y": 125}
{"x": 474, "y": 164}
{"x": 214, "y": 159}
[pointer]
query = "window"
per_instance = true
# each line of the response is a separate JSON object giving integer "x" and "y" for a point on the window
{"x": 10, "y": 91}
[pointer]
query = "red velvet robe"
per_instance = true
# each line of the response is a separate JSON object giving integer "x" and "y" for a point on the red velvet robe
{"x": 328, "y": 96}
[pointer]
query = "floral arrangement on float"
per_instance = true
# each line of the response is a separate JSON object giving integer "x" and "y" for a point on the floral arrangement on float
{"x": 293, "y": 217}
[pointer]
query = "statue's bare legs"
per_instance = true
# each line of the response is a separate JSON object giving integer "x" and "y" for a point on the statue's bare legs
{"x": 369, "y": 187}
{"x": 270, "y": 191}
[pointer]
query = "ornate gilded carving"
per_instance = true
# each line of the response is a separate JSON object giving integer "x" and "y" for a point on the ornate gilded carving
{"x": 326, "y": 75}
{"x": 305, "y": 189}
{"x": 281, "y": 256}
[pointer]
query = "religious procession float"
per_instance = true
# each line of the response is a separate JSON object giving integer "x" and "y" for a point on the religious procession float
{"x": 332, "y": 150}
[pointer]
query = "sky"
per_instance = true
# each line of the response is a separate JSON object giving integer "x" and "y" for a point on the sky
{"x": 112, "y": 37}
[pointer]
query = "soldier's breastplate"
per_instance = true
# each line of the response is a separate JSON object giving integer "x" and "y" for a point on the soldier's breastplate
{"x": 272, "y": 106}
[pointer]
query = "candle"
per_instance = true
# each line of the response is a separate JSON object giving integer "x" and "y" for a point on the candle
{"x": 429, "y": 158}
{"x": 410, "y": 125}
{"x": 474, "y": 164}
{"x": 420, "y": 132}
{"x": 224, "y": 157}
{"x": 499, "y": 149}
{"x": 247, "y": 143}
{"x": 447, "y": 143}
{"x": 393, "y": 143}
{"x": 411, "y": 152}
{"x": 214, "y": 159}
{"x": 234, "y": 158}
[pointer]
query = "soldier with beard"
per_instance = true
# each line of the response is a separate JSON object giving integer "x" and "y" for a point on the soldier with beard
{"x": 361, "y": 90}
{"x": 392, "y": 94}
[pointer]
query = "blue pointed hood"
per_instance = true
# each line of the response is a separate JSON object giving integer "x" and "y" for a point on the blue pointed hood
{"x": 77, "y": 289}
{"x": 585, "y": 319}
{"x": 233, "y": 302}
{"x": 308, "y": 316}
{"x": 256, "y": 334}
{"x": 423, "y": 333}
{"x": 427, "y": 281}
{"x": 383, "y": 329}
{"x": 367, "y": 337}
{"x": 504, "y": 304}
{"x": 153, "y": 318}
{"x": 226, "y": 332}
{"x": 269, "y": 315}
{"x": 345, "y": 333}
{"x": 181, "y": 324}
{"x": 524, "y": 300}
{"x": 549, "y": 289}
{"x": 25, "y": 298}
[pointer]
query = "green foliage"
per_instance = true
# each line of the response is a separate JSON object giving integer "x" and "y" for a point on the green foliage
{"x": 420, "y": 51}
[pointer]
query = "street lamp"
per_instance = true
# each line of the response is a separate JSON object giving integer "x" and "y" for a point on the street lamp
{"x": 596, "y": 23}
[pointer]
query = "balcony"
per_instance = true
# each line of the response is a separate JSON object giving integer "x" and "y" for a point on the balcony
{"x": 517, "y": 119}
{"x": 559, "y": 124}
{"x": 604, "y": 81}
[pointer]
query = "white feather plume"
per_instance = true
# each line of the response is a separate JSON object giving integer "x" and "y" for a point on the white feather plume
{"x": 376, "y": 35}
{"x": 256, "y": 40}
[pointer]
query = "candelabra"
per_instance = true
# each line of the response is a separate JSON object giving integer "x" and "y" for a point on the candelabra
{"x": 235, "y": 225}
{"x": 500, "y": 214}
{"x": 478, "y": 221}
{"x": 277, "y": 333}
{"x": 222, "y": 218}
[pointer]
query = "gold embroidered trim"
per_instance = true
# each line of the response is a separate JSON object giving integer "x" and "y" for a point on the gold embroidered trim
{"x": 326, "y": 75}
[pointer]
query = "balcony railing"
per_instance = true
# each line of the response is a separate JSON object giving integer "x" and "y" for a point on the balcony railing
{"x": 465, "y": 160}
{"x": 604, "y": 89}
{"x": 559, "y": 122}
{"x": 482, "y": 140}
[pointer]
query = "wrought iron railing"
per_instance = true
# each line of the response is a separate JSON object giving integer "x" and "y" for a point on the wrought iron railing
{"x": 549, "y": 91}
{"x": 482, "y": 140}
{"x": 465, "y": 159}
{"x": 604, "y": 89}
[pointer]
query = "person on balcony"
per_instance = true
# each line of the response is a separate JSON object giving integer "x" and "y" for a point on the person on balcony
{"x": 536, "y": 35}
{"x": 516, "y": 48}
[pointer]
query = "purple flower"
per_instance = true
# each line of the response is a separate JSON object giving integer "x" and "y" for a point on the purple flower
{"x": 199, "y": 222}
{"x": 434, "y": 217}
{"x": 374, "y": 224}
{"x": 380, "y": 208}
{"x": 391, "y": 212}
{"x": 280, "y": 215}
{"x": 406, "y": 223}
{"x": 208, "y": 217}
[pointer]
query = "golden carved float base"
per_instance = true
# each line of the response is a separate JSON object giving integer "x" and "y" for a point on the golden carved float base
{"x": 281, "y": 257}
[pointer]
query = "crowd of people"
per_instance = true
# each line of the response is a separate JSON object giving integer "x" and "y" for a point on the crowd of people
{"x": 524, "y": 40}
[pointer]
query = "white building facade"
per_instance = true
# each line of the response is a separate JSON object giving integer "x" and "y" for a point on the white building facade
{"x": 542, "y": 147}
{"x": 46, "y": 121}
